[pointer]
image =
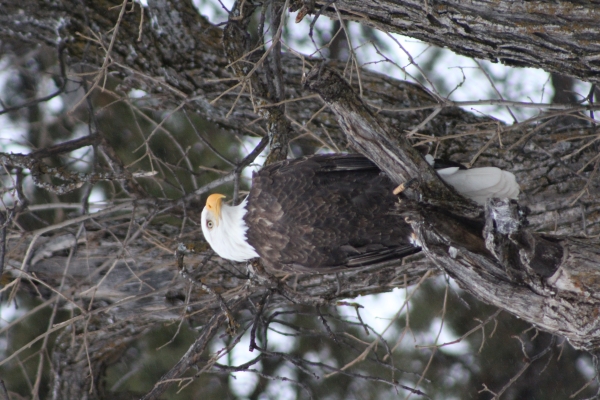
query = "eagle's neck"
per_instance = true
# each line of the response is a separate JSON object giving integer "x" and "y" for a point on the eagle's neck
{"x": 229, "y": 240}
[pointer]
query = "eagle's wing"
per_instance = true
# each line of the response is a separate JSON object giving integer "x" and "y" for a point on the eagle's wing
{"x": 324, "y": 163}
{"x": 381, "y": 255}
{"x": 325, "y": 212}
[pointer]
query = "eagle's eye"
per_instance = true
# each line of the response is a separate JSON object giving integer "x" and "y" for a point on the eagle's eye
{"x": 209, "y": 224}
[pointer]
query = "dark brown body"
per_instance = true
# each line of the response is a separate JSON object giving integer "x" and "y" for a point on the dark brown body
{"x": 325, "y": 212}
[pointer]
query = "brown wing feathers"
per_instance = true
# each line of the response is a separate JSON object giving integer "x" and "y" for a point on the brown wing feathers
{"x": 324, "y": 212}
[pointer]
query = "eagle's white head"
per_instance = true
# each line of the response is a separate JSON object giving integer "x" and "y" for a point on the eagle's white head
{"x": 224, "y": 229}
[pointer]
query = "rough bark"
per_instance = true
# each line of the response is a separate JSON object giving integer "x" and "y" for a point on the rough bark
{"x": 549, "y": 281}
{"x": 181, "y": 55}
{"x": 559, "y": 36}
{"x": 121, "y": 271}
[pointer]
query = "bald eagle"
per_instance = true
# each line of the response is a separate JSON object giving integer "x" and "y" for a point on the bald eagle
{"x": 328, "y": 212}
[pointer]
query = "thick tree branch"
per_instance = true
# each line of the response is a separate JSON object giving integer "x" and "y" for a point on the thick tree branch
{"x": 369, "y": 134}
{"x": 527, "y": 274}
{"x": 557, "y": 36}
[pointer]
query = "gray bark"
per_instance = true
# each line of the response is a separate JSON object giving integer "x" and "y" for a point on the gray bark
{"x": 550, "y": 281}
{"x": 121, "y": 273}
{"x": 557, "y": 36}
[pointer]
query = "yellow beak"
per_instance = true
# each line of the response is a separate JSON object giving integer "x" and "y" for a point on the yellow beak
{"x": 213, "y": 203}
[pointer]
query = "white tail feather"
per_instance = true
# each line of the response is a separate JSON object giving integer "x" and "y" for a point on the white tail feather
{"x": 480, "y": 184}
